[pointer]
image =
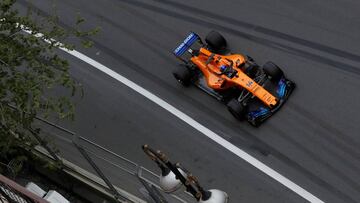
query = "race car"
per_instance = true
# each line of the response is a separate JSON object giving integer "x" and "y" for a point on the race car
{"x": 250, "y": 92}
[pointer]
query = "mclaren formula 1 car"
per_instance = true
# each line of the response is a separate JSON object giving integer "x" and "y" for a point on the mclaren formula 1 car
{"x": 250, "y": 91}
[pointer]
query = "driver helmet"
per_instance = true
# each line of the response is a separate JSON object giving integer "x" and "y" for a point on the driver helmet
{"x": 223, "y": 68}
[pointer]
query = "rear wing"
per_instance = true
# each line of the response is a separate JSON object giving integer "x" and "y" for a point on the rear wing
{"x": 187, "y": 45}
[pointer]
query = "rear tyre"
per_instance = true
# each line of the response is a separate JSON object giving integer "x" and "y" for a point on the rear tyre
{"x": 236, "y": 109}
{"x": 183, "y": 75}
{"x": 215, "y": 41}
{"x": 273, "y": 71}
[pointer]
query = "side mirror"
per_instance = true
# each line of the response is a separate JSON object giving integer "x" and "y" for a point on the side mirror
{"x": 168, "y": 181}
{"x": 217, "y": 196}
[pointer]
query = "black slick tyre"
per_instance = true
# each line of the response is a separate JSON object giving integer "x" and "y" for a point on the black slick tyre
{"x": 236, "y": 109}
{"x": 273, "y": 71}
{"x": 215, "y": 41}
{"x": 183, "y": 75}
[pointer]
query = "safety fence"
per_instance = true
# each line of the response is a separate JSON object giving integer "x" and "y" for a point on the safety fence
{"x": 125, "y": 179}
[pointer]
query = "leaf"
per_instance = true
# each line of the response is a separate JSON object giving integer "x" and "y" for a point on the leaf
{"x": 79, "y": 19}
{"x": 31, "y": 74}
{"x": 87, "y": 43}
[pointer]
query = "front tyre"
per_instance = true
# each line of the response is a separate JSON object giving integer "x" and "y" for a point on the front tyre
{"x": 237, "y": 109}
{"x": 273, "y": 71}
{"x": 183, "y": 75}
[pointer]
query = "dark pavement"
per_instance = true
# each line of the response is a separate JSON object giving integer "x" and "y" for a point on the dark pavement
{"x": 313, "y": 140}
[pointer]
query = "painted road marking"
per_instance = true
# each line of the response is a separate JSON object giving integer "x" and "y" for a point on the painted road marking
{"x": 187, "y": 119}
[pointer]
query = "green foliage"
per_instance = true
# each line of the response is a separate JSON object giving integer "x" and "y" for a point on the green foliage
{"x": 30, "y": 69}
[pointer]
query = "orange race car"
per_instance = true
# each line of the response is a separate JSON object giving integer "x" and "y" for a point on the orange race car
{"x": 251, "y": 92}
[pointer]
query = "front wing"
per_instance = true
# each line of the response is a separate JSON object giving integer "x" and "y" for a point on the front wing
{"x": 283, "y": 90}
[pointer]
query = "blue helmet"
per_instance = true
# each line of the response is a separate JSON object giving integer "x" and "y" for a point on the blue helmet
{"x": 223, "y": 68}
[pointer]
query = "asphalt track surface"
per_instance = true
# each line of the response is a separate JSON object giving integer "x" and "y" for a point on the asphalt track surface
{"x": 313, "y": 140}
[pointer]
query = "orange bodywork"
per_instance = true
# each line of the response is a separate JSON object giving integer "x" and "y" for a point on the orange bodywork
{"x": 218, "y": 81}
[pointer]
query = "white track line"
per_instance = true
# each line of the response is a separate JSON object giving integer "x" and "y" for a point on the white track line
{"x": 187, "y": 119}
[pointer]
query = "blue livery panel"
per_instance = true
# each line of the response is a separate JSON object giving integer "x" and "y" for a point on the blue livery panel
{"x": 260, "y": 112}
{"x": 281, "y": 88}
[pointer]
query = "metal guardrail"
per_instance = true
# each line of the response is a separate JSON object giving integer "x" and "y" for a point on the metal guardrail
{"x": 144, "y": 175}
{"x": 137, "y": 175}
